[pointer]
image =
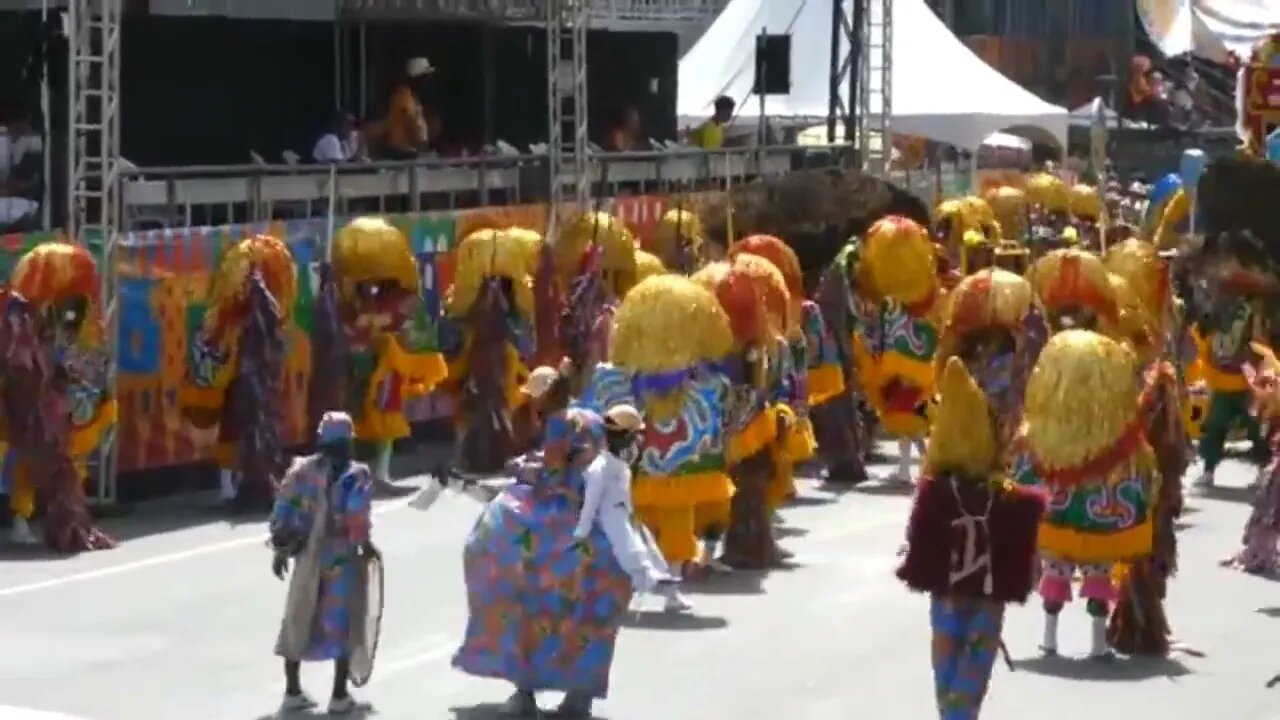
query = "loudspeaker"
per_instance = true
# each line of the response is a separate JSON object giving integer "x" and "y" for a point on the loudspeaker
{"x": 773, "y": 65}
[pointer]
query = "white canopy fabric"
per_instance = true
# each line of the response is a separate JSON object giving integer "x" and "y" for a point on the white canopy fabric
{"x": 947, "y": 94}
{"x": 1208, "y": 28}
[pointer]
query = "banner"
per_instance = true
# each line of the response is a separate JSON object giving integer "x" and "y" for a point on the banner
{"x": 164, "y": 276}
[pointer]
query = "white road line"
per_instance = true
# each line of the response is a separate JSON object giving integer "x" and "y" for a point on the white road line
{"x": 112, "y": 570}
{"x": 426, "y": 657}
{"x": 852, "y": 528}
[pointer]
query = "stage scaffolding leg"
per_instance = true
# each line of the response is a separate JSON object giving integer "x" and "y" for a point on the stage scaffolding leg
{"x": 568, "y": 170}
{"x": 875, "y": 85}
{"x": 93, "y": 179}
{"x": 843, "y": 82}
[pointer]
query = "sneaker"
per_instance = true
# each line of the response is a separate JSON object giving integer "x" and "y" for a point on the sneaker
{"x": 715, "y": 565}
{"x": 296, "y": 703}
{"x": 674, "y": 601}
{"x": 21, "y": 533}
{"x": 1205, "y": 480}
{"x": 342, "y": 706}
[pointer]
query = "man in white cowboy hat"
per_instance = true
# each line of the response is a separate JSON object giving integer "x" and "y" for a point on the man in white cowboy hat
{"x": 607, "y": 503}
{"x": 406, "y": 131}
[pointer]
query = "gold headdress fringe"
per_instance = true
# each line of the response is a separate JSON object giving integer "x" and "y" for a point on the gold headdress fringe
{"x": 491, "y": 253}
{"x": 963, "y": 437}
{"x": 1081, "y": 398}
{"x": 899, "y": 261}
{"x": 267, "y": 255}
{"x": 648, "y": 265}
{"x": 370, "y": 248}
{"x": 1010, "y": 207}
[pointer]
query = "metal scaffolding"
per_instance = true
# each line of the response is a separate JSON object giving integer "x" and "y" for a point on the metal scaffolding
{"x": 567, "y": 22}
{"x": 875, "y": 85}
{"x": 860, "y": 75}
{"x": 93, "y": 174}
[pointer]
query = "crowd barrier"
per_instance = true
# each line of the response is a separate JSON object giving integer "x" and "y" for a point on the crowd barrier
{"x": 164, "y": 275}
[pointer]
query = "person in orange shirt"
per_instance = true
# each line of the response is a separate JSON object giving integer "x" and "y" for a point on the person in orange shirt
{"x": 624, "y": 131}
{"x": 406, "y": 131}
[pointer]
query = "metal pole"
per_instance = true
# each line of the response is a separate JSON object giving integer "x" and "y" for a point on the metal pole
{"x": 487, "y": 77}
{"x": 859, "y": 22}
{"x": 337, "y": 63}
{"x": 46, "y": 138}
{"x": 833, "y": 70}
{"x": 364, "y": 69}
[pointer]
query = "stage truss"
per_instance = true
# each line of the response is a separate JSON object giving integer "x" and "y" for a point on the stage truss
{"x": 861, "y": 75}
{"x": 567, "y": 23}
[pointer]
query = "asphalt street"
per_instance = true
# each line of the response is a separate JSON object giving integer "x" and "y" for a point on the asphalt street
{"x": 179, "y": 622}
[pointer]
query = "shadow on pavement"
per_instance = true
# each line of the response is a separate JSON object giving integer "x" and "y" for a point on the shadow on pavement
{"x": 493, "y": 711}
{"x": 660, "y": 620}
{"x": 885, "y": 488}
{"x": 739, "y": 582}
{"x": 808, "y": 501}
{"x": 1227, "y": 494}
{"x": 361, "y": 711}
{"x": 1117, "y": 669}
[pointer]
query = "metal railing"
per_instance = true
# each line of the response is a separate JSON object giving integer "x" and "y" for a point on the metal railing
{"x": 160, "y": 197}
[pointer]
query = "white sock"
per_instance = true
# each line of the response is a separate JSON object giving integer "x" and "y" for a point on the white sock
{"x": 229, "y": 480}
{"x": 382, "y": 466}
{"x": 1098, "y": 645}
{"x": 904, "y": 457}
{"x": 1050, "y": 642}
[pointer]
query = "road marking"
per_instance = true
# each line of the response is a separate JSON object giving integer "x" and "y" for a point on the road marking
{"x": 852, "y": 528}
{"x": 438, "y": 651}
{"x": 112, "y": 570}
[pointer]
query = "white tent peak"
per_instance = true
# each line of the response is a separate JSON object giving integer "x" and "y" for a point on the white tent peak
{"x": 1208, "y": 28}
{"x": 940, "y": 89}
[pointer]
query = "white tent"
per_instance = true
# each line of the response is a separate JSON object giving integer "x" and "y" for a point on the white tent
{"x": 1208, "y": 28}
{"x": 940, "y": 89}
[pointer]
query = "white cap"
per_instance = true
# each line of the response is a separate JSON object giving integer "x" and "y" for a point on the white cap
{"x": 419, "y": 66}
{"x": 624, "y": 417}
{"x": 540, "y": 381}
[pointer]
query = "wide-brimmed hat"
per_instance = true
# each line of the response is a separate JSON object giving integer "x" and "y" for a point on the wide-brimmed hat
{"x": 624, "y": 417}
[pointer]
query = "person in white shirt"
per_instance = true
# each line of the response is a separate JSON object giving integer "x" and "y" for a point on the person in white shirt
{"x": 607, "y": 503}
{"x": 21, "y": 171}
{"x": 342, "y": 143}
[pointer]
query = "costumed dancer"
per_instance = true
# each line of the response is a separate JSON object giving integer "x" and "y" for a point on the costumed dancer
{"x": 893, "y": 273}
{"x": 607, "y": 273}
{"x": 1083, "y": 442}
{"x": 795, "y": 385}
{"x": 391, "y": 354}
{"x": 754, "y": 297}
{"x": 677, "y": 241}
{"x": 322, "y": 523}
{"x": 951, "y": 221}
{"x": 1086, "y": 209}
{"x": 488, "y": 311}
{"x": 237, "y": 365}
{"x": 1048, "y": 210}
{"x": 1075, "y": 291}
{"x": 995, "y": 326}
{"x": 1260, "y": 551}
{"x": 982, "y": 217}
{"x": 1140, "y": 278}
{"x": 1009, "y": 204}
{"x": 544, "y": 609}
{"x": 971, "y": 543}
{"x": 678, "y": 382}
{"x": 55, "y": 384}
{"x": 1237, "y": 273}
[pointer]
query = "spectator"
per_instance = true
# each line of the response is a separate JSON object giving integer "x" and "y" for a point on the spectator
{"x": 710, "y": 134}
{"x": 406, "y": 131}
{"x": 342, "y": 143}
{"x": 21, "y": 173}
{"x": 624, "y": 131}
